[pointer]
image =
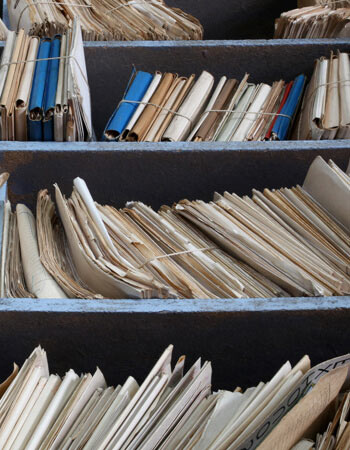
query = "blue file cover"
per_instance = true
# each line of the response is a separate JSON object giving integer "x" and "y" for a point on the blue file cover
{"x": 283, "y": 124}
{"x": 37, "y": 94}
{"x": 124, "y": 112}
{"x": 50, "y": 89}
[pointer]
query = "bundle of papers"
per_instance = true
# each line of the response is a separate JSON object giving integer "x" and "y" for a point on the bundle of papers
{"x": 319, "y": 21}
{"x": 325, "y": 110}
{"x": 44, "y": 92}
{"x": 172, "y": 409}
{"x": 105, "y": 20}
{"x": 285, "y": 242}
{"x": 166, "y": 107}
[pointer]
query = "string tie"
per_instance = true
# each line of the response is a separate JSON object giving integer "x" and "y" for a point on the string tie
{"x": 170, "y": 255}
{"x": 156, "y": 106}
{"x": 134, "y": 2}
{"x": 49, "y": 59}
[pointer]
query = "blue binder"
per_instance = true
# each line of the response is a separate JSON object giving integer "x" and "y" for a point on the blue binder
{"x": 124, "y": 112}
{"x": 283, "y": 124}
{"x": 50, "y": 89}
{"x": 37, "y": 95}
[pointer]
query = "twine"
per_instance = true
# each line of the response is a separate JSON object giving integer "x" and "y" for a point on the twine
{"x": 134, "y": 2}
{"x": 203, "y": 249}
{"x": 49, "y": 59}
{"x": 205, "y": 112}
{"x": 232, "y": 111}
{"x": 306, "y": 99}
{"x": 156, "y": 106}
{"x": 49, "y": 3}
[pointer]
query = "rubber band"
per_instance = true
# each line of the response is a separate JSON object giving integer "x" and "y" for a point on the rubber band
{"x": 49, "y": 3}
{"x": 168, "y": 255}
{"x": 156, "y": 106}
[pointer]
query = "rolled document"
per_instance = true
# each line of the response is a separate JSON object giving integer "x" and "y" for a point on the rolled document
{"x": 179, "y": 94}
{"x": 282, "y": 124}
{"x": 23, "y": 94}
{"x": 189, "y": 111}
{"x": 173, "y": 98}
{"x": 145, "y": 99}
{"x": 39, "y": 281}
{"x": 253, "y": 112}
{"x": 152, "y": 110}
{"x": 210, "y": 105}
{"x": 35, "y": 110}
{"x": 6, "y": 58}
{"x": 125, "y": 110}
{"x": 232, "y": 120}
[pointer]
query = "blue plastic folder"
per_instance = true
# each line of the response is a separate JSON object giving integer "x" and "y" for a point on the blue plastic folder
{"x": 282, "y": 123}
{"x": 124, "y": 112}
{"x": 37, "y": 94}
{"x": 50, "y": 89}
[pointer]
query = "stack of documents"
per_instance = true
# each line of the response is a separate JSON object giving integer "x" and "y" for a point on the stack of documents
{"x": 286, "y": 234}
{"x": 44, "y": 92}
{"x": 285, "y": 242}
{"x": 165, "y": 107}
{"x": 319, "y": 21}
{"x": 325, "y": 110}
{"x": 171, "y": 409}
{"x": 105, "y": 20}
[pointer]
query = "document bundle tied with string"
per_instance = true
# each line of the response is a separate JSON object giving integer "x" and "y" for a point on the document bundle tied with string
{"x": 167, "y": 107}
{"x": 44, "y": 91}
{"x": 276, "y": 243}
{"x": 105, "y": 20}
{"x": 325, "y": 111}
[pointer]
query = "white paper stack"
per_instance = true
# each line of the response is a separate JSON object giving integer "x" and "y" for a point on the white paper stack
{"x": 172, "y": 409}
